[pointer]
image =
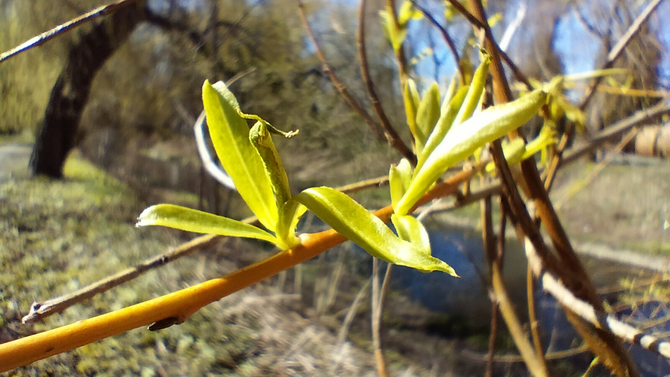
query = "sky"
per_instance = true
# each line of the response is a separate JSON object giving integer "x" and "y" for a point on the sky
{"x": 575, "y": 46}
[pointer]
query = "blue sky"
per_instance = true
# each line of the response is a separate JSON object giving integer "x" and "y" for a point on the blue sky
{"x": 575, "y": 46}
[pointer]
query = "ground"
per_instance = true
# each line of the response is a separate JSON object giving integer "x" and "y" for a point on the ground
{"x": 59, "y": 236}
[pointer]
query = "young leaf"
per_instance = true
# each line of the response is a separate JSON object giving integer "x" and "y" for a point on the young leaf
{"x": 353, "y": 221}
{"x": 288, "y": 221}
{"x": 399, "y": 179}
{"x": 449, "y": 112}
{"x": 191, "y": 220}
{"x": 411, "y": 100}
{"x": 427, "y": 114}
{"x": 475, "y": 91}
{"x": 230, "y": 136}
{"x": 260, "y": 138}
{"x": 411, "y": 230}
{"x": 465, "y": 138}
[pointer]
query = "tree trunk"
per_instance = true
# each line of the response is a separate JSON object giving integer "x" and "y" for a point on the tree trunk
{"x": 70, "y": 93}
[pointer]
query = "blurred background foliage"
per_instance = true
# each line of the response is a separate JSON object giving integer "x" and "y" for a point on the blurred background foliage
{"x": 149, "y": 90}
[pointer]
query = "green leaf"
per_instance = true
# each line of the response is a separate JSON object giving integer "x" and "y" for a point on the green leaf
{"x": 353, "y": 221}
{"x": 476, "y": 89}
{"x": 260, "y": 138}
{"x": 400, "y": 177}
{"x": 230, "y": 136}
{"x": 392, "y": 33}
{"x": 411, "y": 100}
{"x": 191, "y": 220}
{"x": 412, "y": 230}
{"x": 288, "y": 221}
{"x": 449, "y": 112}
{"x": 427, "y": 115}
{"x": 462, "y": 140}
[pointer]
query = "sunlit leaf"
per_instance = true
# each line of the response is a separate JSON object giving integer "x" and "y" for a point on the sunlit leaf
{"x": 260, "y": 138}
{"x": 411, "y": 99}
{"x": 411, "y": 230}
{"x": 475, "y": 91}
{"x": 444, "y": 124}
{"x": 191, "y": 220}
{"x": 230, "y": 136}
{"x": 427, "y": 115}
{"x": 395, "y": 36}
{"x": 462, "y": 140}
{"x": 399, "y": 179}
{"x": 353, "y": 221}
{"x": 288, "y": 221}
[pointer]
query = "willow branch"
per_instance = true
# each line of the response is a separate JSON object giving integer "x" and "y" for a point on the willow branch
{"x": 615, "y": 131}
{"x": 586, "y": 311}
{"x": 67, "y": 26}
{"x": 390, "y": 133}
{"x": 41, "y": 310}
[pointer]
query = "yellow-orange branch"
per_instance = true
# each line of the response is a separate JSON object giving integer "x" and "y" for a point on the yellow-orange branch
{"x": 181, "y": 304}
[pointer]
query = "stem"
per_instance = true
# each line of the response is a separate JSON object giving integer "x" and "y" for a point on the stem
{"x": 342, "y": 89}
{"x": 390, "y": 133}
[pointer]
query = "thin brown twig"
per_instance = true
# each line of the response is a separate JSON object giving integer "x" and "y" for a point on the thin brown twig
{"x": 391, "y": 135}
{"x": 489, "y": 241}
{"x": 557, "y": 355}
{"x": 376, "y": 321}
{"x": 43, "y": 309}
{"x": 615, "y": 131}
{"x": 445, "y": 35}
{"x": 602, "y": 342}
{"x": 67, "y": 26}
{"x": 587, "y": 25}
{"x": 586, "y": 311}
{"x": 341, "y": 88}
{"x": 351, "y": 313}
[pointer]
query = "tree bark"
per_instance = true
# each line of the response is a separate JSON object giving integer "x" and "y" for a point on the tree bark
{"x": 71, "y": 91}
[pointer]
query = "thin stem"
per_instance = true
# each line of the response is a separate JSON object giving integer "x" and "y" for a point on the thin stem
{"x": 380, "y": 361}
{"x": 41, "y": 310}
{"x": 445, "y": 35}
{"x": 67, "y": 26}
{"x": 390, "y": 133}
{"x": 341, "y": 88}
